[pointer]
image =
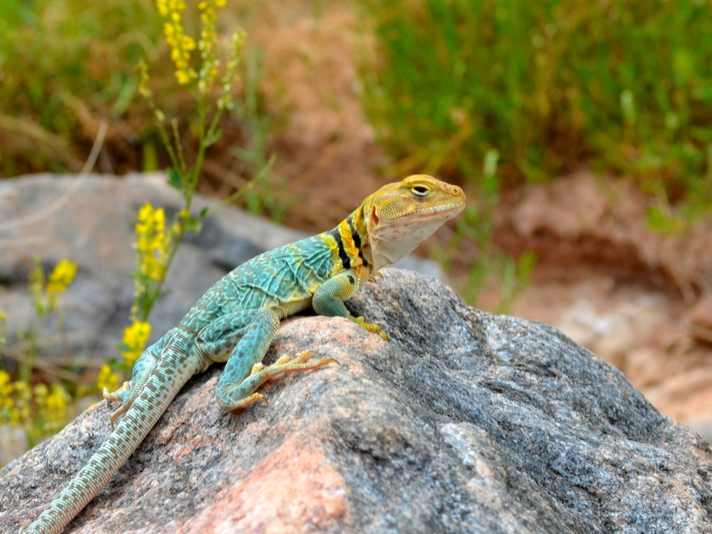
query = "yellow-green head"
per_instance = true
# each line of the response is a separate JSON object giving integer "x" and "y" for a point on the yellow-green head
{"x": 400, "y": 216}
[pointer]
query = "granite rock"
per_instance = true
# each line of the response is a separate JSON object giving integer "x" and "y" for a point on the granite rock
{"x": 463, "y": 423}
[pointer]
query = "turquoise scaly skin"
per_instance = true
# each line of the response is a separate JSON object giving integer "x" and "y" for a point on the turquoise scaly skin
{"x": 237, "y": 319}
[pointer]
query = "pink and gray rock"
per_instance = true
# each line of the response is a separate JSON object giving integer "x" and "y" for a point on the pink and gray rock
{"x": 463, "y": 423}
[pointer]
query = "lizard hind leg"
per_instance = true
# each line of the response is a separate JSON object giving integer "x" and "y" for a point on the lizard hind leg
{"x": 142, "y": 369}
{"x": 284, "y": 365}
{"x": 242, "y": 338}
{"x": 123, "y": 394}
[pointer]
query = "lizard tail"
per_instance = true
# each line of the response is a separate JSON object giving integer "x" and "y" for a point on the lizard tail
{"x": 103, "y": 465}
{"x": 158, "y": 392}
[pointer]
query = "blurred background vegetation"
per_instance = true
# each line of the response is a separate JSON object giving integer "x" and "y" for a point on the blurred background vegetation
{"x": 624, "y": 86}
{"x": 63, "y": 65}
{"x": 492, "y": 94}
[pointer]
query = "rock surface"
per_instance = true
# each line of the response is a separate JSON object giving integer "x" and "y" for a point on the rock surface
{"x": 91, "y": 222}
{"x": 632, "y": 295}
{"x": 464, "y": 422}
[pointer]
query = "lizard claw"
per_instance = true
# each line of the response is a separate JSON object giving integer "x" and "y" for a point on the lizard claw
{"x": 375, "y": 277}
{"x": 255, "y": 397}
{"x": 373, "y": 328}
{"x": 116, "y": 395}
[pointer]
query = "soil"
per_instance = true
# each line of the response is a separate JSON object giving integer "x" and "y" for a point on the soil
{"x": 632, "y": 296}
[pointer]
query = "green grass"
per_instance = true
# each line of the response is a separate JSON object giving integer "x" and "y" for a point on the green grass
{"x": 624, "y": 85}
{"x": 65, "y": 64}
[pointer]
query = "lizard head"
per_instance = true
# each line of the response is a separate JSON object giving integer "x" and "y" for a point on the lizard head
{"x": 400, "y": 216}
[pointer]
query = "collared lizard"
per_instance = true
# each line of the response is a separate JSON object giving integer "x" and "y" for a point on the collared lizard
{"x": 236, "y": 320}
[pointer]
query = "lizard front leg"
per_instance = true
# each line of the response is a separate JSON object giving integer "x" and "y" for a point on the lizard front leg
{"x": 242, "y": 339}
{"x": 330, "y": 296}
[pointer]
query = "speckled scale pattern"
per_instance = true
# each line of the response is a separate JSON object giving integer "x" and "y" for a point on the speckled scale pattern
{"x": 273, "y": 279}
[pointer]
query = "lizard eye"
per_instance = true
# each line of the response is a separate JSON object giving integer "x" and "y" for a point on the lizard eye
{"x": 419, "y": 191}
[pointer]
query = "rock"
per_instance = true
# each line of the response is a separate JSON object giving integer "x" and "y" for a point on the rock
{"x": 464, "y": 422}
{"x": 703, "y": 427}
{"x": 91, "y": 222}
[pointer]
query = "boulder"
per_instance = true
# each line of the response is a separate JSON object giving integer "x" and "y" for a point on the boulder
{"x": 464, "y": 422}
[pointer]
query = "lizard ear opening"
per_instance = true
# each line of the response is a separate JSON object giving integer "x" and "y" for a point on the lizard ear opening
{"x": 374, "y": 217}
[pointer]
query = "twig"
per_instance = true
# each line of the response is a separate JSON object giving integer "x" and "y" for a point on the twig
{"x": 52, "y": 340}
{"x": 24, "y": 242}
{"x": 62, "y": 200}
{"x": 43, "y": 365}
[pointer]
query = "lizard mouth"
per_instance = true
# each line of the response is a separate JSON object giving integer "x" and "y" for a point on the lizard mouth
{"x": 436, "y": 212}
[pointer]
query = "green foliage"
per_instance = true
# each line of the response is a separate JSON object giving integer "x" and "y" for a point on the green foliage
{"x": 624, "y": 84}
{"x": 492, "y": 268}
{"x": 39, "y": 409}
{"x": 60, "y": 62}
{"x": 261, "y": 197}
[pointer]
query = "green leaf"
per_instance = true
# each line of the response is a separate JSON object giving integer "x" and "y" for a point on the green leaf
{"x": 212, "y": 138}
{"x": 175, "y": 179}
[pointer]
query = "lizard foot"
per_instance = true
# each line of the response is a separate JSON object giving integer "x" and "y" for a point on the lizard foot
{"x": 289, "y": 364}
{"x": 261, "y": 374}
{"x": 255, "y": 397}
{"x": 118, "y": 395}
{"x": 373, "y": 328}
{"x": 122, "y": 394}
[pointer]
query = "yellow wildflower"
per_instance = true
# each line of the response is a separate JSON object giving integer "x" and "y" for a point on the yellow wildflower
{"x": 180, "y": 44}
{"x": 238, "y": 41}
{"x": 40, "y": 391}
{"x": 59, "y": 279}
{"x": 107, "y": 379}
{"x": 62, "y": 276}
{"x": 22, "y": 397}
{"x": 162, "y": 6}
{"x": 135, "y": 338}
{"x": 152, "y": 242}
{"x": 6, "y": 390}
{"x": 150, "y": 219}
{"x": 58, "y": 399}
{"x": 206, "y": 45}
